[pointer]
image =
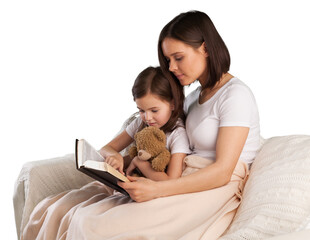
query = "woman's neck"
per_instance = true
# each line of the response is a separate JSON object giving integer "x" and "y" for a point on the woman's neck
{"x": 207, "y": 93}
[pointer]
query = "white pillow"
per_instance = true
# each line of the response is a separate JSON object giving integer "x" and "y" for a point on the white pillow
{"x": 276, "y": 197}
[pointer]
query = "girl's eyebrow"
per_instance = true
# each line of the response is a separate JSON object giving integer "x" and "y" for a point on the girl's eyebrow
{"x": 147, "y": 109}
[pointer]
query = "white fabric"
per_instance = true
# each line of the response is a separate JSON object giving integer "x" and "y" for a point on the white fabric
{"x": 276, "y": 197}
{"x": 177, "y": 141}
{"x": 232, "y": 105}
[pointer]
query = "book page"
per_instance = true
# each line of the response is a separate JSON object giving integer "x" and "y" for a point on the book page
{"x": 103, "y": 166}
{"x": 87, "y": 152}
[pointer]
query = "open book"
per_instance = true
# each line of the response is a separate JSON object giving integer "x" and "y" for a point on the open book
{"x": 89, "y": 161}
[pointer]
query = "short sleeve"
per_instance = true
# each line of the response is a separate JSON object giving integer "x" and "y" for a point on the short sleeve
{"x": 177, "y": 141}
{"x": 236, "y": 106}
{"x": 133, "y": 127}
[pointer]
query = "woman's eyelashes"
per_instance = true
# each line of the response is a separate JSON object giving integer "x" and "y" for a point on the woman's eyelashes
{"x": 175, "y": 58}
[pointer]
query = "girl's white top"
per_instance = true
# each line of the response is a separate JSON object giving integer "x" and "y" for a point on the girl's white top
{"x": 177, "y": 141}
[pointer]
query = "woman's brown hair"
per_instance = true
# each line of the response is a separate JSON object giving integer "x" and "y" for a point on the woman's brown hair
{"x": 195, "y": 28}
{"x": 152, "y": 80}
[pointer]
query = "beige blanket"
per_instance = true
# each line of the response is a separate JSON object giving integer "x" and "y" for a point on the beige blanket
{"x": 96, "y": 212}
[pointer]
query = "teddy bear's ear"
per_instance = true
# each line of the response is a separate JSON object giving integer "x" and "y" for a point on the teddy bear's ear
{"x": 160, "y": 135}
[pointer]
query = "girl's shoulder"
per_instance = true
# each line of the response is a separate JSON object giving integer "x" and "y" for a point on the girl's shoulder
{"x": 180, "y": 123}
{"x": 179, "y": 128}
{"x": 178, "y": 133}
{"x": 134, "y": 126}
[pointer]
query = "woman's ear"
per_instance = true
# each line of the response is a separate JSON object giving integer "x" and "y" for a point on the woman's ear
{"x": 203, "y": 49}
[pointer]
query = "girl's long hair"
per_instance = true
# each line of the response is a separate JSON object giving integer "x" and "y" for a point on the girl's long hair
{"x": 152, "y": 80}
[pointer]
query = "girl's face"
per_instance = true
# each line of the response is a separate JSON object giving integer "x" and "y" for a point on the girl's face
{"x": 154, "y": 111}
{"x": 187, "y": 63}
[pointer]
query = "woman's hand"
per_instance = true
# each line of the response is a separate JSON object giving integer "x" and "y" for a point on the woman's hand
{"x": 141, "y": 189}
{"x": 116, "y": 161}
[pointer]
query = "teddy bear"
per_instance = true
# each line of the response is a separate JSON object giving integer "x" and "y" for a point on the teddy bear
{"x": 151, "y": 145}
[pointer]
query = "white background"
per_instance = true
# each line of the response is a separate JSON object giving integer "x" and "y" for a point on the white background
{"x": 67, "y": 67}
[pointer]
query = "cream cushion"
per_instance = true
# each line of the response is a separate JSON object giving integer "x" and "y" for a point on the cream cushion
{"x": 40, "y": 179}
{"x": 276, "y": 197}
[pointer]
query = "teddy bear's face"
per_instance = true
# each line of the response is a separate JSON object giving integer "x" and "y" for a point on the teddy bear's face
{"x": 151, "y": 140}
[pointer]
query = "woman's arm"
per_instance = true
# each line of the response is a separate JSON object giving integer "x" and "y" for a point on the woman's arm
{"x": 230, "y": 143}
{"x": 174, "y": 169}
{"x": 111, "y": 151}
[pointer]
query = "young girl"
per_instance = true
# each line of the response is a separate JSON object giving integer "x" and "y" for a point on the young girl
{"x": 160, "y": 104}
{"x": 161, "y": 107}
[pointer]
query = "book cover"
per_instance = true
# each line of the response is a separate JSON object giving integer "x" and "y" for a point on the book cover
{"x": 90, "y": 162}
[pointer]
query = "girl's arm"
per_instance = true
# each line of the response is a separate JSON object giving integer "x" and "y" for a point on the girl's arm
{"x": 111, "y": 151}
{"x": 174, "y": 169}
{"x": 230, "y": 143}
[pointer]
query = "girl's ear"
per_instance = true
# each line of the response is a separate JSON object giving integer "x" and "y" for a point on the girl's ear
{"x": 203, "y": 49}
{"x": 172, "y": 105}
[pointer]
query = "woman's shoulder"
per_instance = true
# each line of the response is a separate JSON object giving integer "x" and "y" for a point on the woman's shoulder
{"x": 236, "y": 87}
{"x": 236, "y": 84}
{"x": 236, "y": 95}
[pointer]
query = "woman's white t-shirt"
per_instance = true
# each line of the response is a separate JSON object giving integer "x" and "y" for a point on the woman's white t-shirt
{"x": 232, "y": 105}
{"x": 177, "y": 141}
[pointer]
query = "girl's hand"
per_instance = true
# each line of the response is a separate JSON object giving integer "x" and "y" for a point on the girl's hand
{"x": 117, "y": 162}
{"x": 132, "y": 166}
{"x": 141, "y": 189}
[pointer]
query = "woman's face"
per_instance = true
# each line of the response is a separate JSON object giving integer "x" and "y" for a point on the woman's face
{"x": 187, "y": 63}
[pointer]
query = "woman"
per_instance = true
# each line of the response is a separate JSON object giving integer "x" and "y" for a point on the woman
{"x": 222, "y": 117}
{"x": 222, "y": 122}
{"x": 223, "y": 129}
